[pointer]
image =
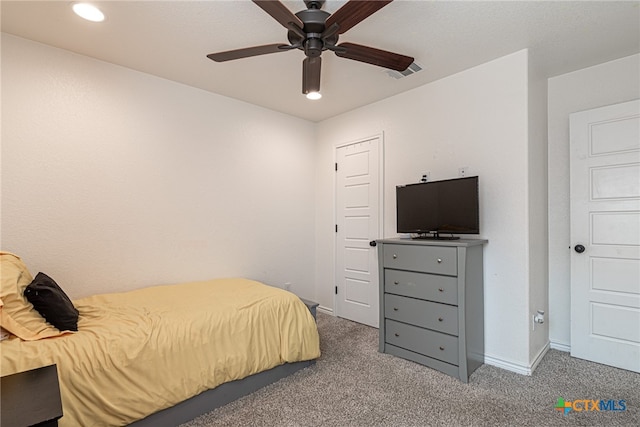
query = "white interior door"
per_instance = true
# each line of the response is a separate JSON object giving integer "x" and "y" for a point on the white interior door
{"x": 605, "y": 235}
{"x": 358, "y": 219}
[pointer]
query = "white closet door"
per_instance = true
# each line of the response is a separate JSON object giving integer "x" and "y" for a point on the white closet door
{"x": 605, "y": 235}
{"x": 358, "y": 185}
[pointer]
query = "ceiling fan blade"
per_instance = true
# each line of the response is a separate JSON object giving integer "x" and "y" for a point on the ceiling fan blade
{"x": 279, "y": 12}
{"x": 247, "y": 52}
{"x": 311, "y": 74}
{"x": 354, "y": 12}
{"x": 373, "y": 56}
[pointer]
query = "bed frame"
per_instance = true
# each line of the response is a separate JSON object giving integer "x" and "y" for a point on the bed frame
{"x": 224, "y": 393}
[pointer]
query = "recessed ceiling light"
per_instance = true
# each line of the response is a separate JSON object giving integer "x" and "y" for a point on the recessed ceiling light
{"x": 314, "y": 95}
{"x": 88, "y": 12}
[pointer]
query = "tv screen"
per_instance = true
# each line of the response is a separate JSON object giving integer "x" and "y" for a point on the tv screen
{"x": 447, "y": 206}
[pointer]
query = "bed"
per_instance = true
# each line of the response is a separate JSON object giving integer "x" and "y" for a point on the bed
{"x": 159, "y": 355}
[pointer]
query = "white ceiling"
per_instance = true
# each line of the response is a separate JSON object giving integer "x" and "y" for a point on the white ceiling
{"x": 171, "y": 39}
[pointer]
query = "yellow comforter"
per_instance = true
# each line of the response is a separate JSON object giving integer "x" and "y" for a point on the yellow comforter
{"x": 142, "y": 351}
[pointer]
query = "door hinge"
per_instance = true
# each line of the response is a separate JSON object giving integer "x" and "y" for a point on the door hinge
{"x": 336, "y": 228}
{"x": 336, "y": 290}
{"x": 336, "y": 166}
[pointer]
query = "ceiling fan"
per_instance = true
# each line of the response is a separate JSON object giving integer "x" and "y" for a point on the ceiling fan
{"x": 314, "y": 30}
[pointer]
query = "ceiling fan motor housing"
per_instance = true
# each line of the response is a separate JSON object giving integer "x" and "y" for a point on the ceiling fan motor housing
{"x": 314, "y": 24}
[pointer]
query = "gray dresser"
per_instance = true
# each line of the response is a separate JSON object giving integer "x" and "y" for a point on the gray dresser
{"x": 432, "y": 303}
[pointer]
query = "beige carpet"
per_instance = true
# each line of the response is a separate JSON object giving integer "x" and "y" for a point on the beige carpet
{"x": 354, "y": 385}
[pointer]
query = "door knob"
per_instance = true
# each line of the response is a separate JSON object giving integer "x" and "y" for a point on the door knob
{"x": 579, "y": 248}
{"x": 372, "y": 243}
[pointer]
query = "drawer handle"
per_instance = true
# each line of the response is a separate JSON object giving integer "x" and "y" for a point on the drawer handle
{"x": 395, "y": 282}
{"x": 440, "y": 290}
{"x": 397, "y": 334}
{"x": 395, "y": 256}
{"x": 440, "y": 319}
{"x": 395, "y": 308}
{"x": 439, "y": 260}
{"x": 441, "y": 348}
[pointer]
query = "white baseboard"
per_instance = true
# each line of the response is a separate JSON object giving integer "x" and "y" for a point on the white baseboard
{"x": 507, "y": 365}
{"x": 539, "y": 357}
{"x": 325, "y": 310}
{"x": 561, "y": 346}
{"x": 516, "y": 367}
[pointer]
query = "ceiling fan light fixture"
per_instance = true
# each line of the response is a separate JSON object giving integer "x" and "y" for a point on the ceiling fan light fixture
{"x": 314, "y": 95}
{"x": 88, "y": 11}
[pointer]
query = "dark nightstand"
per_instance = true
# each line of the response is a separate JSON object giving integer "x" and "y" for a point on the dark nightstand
{"x": 31, "y": 398}
{"x": 311, "y": 305}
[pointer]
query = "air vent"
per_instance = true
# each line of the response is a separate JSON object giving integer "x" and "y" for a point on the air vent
{"x": 412, "y": 69}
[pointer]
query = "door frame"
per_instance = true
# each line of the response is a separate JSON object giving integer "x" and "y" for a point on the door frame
{"x": 380, "y": 137}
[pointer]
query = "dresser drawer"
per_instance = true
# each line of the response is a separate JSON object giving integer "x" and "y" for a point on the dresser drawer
{"x": 428, "y": 259}
{"x": 422, "y": 285}
{"x": 424, "y": 341}
{"x": 427, "y": 314}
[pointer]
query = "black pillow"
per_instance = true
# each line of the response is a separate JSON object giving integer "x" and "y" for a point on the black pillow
{"x": 52, "y": 303}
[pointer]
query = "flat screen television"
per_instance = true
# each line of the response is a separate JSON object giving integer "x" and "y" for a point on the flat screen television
{"x": 429, "y": 209}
